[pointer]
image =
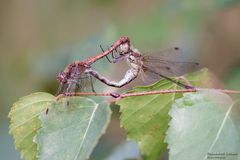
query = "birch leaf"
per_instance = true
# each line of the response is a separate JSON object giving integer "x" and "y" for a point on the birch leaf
{"x": 24, "y": 122}
{"x": 71, "y": 129}
{"x": 203, "y": 127}
{"x": 146, "y": 118}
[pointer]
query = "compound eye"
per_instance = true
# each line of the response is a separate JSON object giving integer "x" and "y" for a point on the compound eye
{"x": 125, "y": 39}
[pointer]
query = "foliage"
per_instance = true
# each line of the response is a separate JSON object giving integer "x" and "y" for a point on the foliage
{"x": 70, "y": 127}
{"x": 72, "y": 123}
{"x": 146, "y": 119}
{"x": 202, "y": 127}
{"x": 24, "y": 121}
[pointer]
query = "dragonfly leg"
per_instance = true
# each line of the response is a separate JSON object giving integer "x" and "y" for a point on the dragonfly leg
{"x": 112, "y": 52}
{"x": 108, "y": 59}
{"x": 91, "y": 81}
{"x": 72, "y": 84}
{"x": 106, "y": 55}
{"x": 60, "y": 89}
{"x": 115, "y": 58}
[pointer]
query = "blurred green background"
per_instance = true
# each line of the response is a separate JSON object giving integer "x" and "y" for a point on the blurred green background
{"x": 39, "y": 38}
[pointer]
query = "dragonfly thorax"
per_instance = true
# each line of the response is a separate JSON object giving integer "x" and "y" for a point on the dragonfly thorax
{"x": 134, "y": 59}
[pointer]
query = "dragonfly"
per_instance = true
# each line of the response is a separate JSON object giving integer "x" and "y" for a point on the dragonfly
{"x": 77, "y": 74}
{"x": 152, "y": 67}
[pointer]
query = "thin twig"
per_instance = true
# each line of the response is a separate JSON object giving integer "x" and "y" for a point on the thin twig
{"x": 124, "y": 95}
{"x": 82, "y": 94}
{"x": 220, "y": 90}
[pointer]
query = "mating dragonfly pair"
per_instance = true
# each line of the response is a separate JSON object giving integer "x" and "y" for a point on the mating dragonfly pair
{"x": 151, "y": 68}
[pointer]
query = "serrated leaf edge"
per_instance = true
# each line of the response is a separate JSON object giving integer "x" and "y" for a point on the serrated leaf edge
{"x": 35, "y": 140}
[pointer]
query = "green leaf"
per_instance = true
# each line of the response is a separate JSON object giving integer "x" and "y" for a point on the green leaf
{"x": 146, "y": 118}
{"x": 71, "y": 129}
{"x": 202, "y": 127}
{"x": 24, "y": 121}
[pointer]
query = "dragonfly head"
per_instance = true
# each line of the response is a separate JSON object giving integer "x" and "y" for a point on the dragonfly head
{"x": 124, "y": 48}
{"x": 125, "y": 39}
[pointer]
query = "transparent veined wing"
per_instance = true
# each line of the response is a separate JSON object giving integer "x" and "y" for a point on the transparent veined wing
{"x": 170, "y": 63}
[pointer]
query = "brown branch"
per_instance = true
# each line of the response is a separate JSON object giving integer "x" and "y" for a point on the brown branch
{"x": 220, "y": 90}
{"x": 124, "y": 95}
{"x": 82, "y": 94}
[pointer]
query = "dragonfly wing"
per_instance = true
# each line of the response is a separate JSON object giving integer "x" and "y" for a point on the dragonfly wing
{"x": 170, "y": 63}
{"x": 166, "y": 54}
{"x": 85, "y": 83}
{"x": 82, "y": 84}
{"x": 72, "y": 87}
{"x": 61, "y": 88}
{"x": 149, "y": 77}
{"x": 172, "y": 69}
{"x": 73, "y": 73}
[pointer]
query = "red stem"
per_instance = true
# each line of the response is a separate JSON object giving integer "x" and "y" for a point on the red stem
{"x": 124, "y": 95}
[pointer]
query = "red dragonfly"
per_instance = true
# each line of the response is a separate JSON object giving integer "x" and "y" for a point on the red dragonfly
{"x": 75, "y": 74}
{"x": 150, "y": 67}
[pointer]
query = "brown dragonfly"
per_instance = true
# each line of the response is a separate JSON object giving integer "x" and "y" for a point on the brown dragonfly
{"x": 153, "y": 67}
